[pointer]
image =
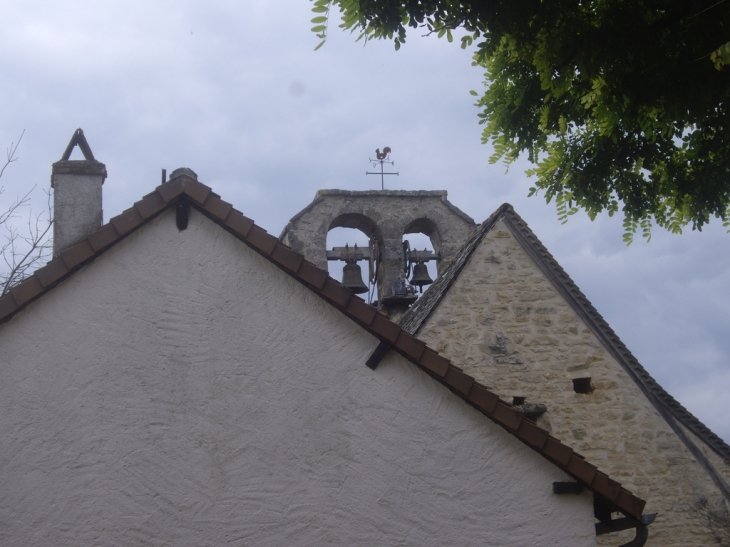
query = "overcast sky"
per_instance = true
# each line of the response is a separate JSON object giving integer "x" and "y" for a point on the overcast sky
{"x": 235, "y": 91}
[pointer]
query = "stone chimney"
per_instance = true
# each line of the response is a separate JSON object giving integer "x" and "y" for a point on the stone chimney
{"x": 76, "y": 187}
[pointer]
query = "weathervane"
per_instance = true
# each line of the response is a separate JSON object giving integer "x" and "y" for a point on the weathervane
{"x": 382, "y": 158}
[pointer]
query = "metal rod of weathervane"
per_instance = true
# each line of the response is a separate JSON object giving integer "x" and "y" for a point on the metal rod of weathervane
{"x": 382, "y": 158}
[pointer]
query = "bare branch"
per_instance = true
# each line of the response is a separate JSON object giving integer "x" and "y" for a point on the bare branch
{"x": 22, "y": 252}
{"x": 10, "y": 153}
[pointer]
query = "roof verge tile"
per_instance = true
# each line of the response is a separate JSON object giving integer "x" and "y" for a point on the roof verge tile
{"x": 336, "y": 293}
{"x": 505, "y": 414}
{"x": 532, "y": 434}
{"x": 127, "y": 221}
{"x": 73, "y": 256}
{"x": 52, "y": 272}
{"x": 360, "y": 310}
{"x": 410, "y": 345}
{"x": 263, "y": 241}
{"x": 239, "y": 223}
{"x": 26, "y": 290}
{"x": 385, "y": 328}
{"x": 7, "y": 305}
{"x": 197, "y": 191}
{"x": 217, "y": 207}
{"x": 581, "y": 469}
{"x": 557, "y": 451}
{"x": 150, "y": 205}
{"x": 312, "y": 276}
{"x": 103, "y": 237}
{"x": 456, "y": 379}
{"x": 170, "y": 190}
{"x": 284, "y": 256}
{"x": 483, "y": 398}
{"x": 434, "y": 362}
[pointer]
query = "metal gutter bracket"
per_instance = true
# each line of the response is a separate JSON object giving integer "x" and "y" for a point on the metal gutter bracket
{"x": 617, "y": 525}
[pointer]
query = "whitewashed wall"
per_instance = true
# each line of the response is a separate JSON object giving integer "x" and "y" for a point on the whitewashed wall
{"x": 180, "y": 390}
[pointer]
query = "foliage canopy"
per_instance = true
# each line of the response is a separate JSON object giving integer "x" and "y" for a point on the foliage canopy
{"x": 619, "y": 104}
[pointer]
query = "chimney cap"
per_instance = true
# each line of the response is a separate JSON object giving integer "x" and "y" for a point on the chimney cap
{"x": 183, "y": 172}
{"x": 88, "y": 166}
{"x": 78, "y": 139}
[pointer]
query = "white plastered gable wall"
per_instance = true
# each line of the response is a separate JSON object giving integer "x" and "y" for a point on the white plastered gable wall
{"x": 507, "y": 325}
{"x": 181, "y": 390}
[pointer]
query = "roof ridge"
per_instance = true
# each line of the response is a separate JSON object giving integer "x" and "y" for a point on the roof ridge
{"x": 294, "y": 264}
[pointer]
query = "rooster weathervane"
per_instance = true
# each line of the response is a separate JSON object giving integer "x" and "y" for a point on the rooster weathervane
{"x": 382, "y": 158}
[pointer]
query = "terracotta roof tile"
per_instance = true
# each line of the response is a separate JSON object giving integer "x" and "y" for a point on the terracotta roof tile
{"x": 385, "y": 328}
{"x": 581, "y": 469}
{"x": 360, "y": 310}
{"x": 410, "y": 345}
{"x": 312, "y": 276}
{"x": 103, "y": 237}
{"x": 150, "y": 205}
{"x": 73, "y": 256}
{"x": 287, "y": 258}
{"x": 263, "y": 241}
{"x": 532, "y": 434}
{"x": 52, "y": 272}
{"x": 557, "y": 451}
{"x": 336, "y": 293}
{"x": 27, "y": 290}
{"x": 197, "y": 191}
{"x": 506, "y": 415}
{"x": 629, "y": 503}
{"x": 239, "y": 223}
{"x": 217, "y": 207}
{"x": 605, "y": 484}
{"x": 434, "y": 362}
{"x": 459, "y": 381}
{"x": 319, "y": 281}
{"x": 172, "y": 189}
{"x": 127, "y": 221}
{"x": 483, "y": 398}
{"x": 7, "y": 306}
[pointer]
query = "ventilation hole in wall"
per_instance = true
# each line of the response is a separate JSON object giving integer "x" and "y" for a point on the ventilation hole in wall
{"x": 518, "y": 400}
{"x": 582, "y": 385}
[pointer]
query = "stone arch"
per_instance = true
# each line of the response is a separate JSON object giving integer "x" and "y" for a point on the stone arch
{"x": 427, "y": 227}
{"x": 353, "y": 221}
{"x": 357, "y": 221}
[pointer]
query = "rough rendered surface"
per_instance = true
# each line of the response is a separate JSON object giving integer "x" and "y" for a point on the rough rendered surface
{"x": 506, "y": 324}
{"x": 76, "y": 209}
{"x": 180, "y": 390}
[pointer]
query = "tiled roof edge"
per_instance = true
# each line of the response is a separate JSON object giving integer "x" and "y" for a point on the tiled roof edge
{"x": 575, "y": 297}
{"x": 332, "y": 291}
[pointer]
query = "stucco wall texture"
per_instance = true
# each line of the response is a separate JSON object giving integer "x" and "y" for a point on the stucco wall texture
{"x": 180, "y": 390}
{"x": 505, "y": 323}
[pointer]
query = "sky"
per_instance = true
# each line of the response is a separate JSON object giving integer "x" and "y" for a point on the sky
{"x": 235, "y": 91}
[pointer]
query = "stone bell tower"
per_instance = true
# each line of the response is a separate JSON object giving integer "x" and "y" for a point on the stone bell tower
{"x": 385, "y": 216}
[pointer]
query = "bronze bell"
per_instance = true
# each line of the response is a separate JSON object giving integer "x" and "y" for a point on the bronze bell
{"x": 352, "y": 278}
{"x": 420, "y": 276}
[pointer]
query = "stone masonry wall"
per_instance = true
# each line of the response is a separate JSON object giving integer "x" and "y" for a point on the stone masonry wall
{"x": 505, "y": 323}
